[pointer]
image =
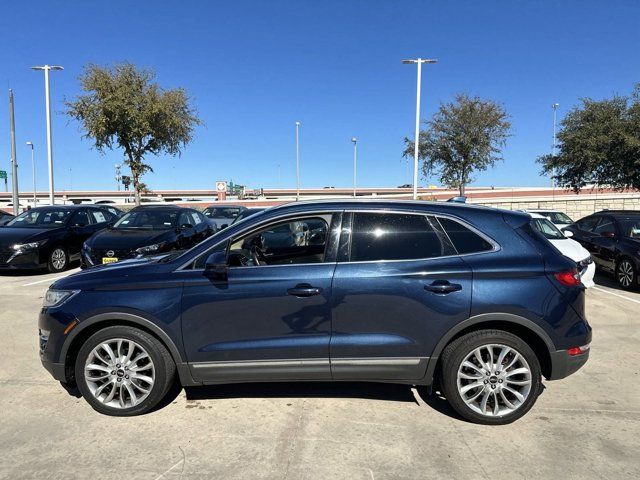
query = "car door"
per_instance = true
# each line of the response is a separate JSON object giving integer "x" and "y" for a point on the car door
{"x": 583, "y": 231}
{"x": 270, "y": 318}
{"x": 80, "y": 229}
{"x": 604, "y": 243}
{"x": 398, "y": 286}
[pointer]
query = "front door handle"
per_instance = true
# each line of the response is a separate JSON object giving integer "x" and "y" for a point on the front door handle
{"x": 304, "y": 290}
{"x": 443, "y": 287}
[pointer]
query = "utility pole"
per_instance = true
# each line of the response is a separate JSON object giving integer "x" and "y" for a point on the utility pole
{"x": 354, "y": 140}
{"x": 297, "y": 161}
{"x": 419, "y": 62}
{"x": 553, "y": 145}
{"x": 33, "y": 166}
{"x": 14, "y": 160}
{"x": 119, "y": 176}
{"x": 47, "y": 98}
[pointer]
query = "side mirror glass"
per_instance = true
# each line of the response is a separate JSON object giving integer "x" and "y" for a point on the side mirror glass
{"x": 216, "y": 266}
{"x": 567, "y": 233}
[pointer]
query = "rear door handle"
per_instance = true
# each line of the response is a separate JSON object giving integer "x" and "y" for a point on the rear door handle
{"x": 304, "y": 290}
{"x": 443, "y": 287}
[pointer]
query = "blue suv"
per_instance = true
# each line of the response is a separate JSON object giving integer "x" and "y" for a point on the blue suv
{"x": 469, "y": 300}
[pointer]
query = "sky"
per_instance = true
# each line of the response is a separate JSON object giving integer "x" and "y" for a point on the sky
{"x": 254, "y": 68}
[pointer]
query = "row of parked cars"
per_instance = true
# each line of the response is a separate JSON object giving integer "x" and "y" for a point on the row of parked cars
{"x": 51, "y": 237}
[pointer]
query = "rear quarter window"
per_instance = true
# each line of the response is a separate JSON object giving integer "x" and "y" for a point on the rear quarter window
{"x": 464, "y": 239}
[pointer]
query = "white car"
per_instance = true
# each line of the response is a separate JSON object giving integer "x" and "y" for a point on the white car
{"x": 566, "y": 246}
{"x": 559, "y": 219}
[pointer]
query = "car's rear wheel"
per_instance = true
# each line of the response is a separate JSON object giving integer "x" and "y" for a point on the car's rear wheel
{"x": 58, "y": 260}
{"x": 490, "y": 377}
{"x": 123, "y": 371}
{"x": 626, "y": 274}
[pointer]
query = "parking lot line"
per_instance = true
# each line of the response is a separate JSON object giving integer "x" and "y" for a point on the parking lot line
{"x": 616, "y": 294}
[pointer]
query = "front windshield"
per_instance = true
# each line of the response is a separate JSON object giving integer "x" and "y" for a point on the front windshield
{"x": 557, "y": 217}
{"x": 148, "y": 220}
{"x": 630, "y": 227}
{"x": 41, "y": 218}
{"x": 221, "y": 212}
{"x": 546, "y": 228}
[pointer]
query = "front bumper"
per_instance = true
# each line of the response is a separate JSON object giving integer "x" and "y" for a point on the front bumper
{"x": 23, "y": 261}
{"x": 57, "y": 370}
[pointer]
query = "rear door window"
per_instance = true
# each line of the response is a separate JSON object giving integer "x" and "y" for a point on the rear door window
{"x": 464, "y": 239}
{"x": 588, "y": 224}
{"x": 394, "y": 236}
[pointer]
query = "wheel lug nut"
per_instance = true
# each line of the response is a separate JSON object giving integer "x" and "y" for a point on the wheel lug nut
{"x": 493, "y": 387}
{"x": 127, "y": 377}
{"x": 118, "y": 365}
{"x": 126, "y": 368}
{"x": 500, "y": 380}
{"x": 488, "y": 373}
{"x": 113, "y": 372}
{"x": 486, "y": 381}
{"x": 119, "y": 379}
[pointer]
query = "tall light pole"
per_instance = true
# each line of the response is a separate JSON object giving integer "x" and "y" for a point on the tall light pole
{"x": 33, "y": 166}
{"x": 553, "y": 145}
{"x": 119, "y": 176}
{"x": 355, "y": 162}
{"x": 14, "y": 160}
{"x": 298, "y": 161}
{"x": 47, "y": 100}
{"x": 419, "y": 62}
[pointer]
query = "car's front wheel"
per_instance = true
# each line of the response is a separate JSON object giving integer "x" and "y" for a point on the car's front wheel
{"x": 58, "y": 260}
{"x": 490, "y": 377}
{"x": 626, "y": 274}
{"x": 123, "y": 371}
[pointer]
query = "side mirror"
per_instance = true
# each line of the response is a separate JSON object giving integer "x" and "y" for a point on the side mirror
{"x": 567, "y": 233}
{"x": 216, "y": 266}
{"x": 186, "y": 226}
{"x": 224, "y": 225}
{"x": 608, "y": 234}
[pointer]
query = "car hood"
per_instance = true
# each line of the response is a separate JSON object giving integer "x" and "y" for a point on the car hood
{"x": 571, "y": 248}
{"x": 103, "y": 276}
{"x": 12, "y": 235}
{"x": 128, "y": 239}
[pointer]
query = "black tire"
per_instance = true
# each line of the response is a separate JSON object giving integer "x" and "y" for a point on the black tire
{"x": 458, "y": 350}
{"x": 164, "y": 369}
{"x": 626, "y": 274}
{"x": 53, "y": 263}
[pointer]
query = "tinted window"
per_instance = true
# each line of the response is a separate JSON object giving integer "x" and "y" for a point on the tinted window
{"x": 630, "y": 227}
{"x": 383, "y": 236}
{"x": 222, "y": 212}
{"x": 605, "y": 226}
{"x": 100, "y": 216}
{"x": 463, "y": 239}
{"x": 588, "y": 224}
{"x": 148, "y": 219}
{"x": 41, "y": 218}
{"x": 80, "y": 218}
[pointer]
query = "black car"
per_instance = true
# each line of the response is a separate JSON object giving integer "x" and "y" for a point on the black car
{"x": 116, "y": 212}
{"x": 613, "y": 239}
{"x": 146, "y": 230}
{"x": 5, "y": 218}
{"x": 49, "y": 237}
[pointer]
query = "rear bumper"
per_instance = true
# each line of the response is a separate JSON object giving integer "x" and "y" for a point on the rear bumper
{"x": 563, "y": 364}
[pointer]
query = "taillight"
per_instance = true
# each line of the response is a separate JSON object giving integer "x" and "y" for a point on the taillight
{"x": 578, "y": 350}
{"x": 569, "y": 278}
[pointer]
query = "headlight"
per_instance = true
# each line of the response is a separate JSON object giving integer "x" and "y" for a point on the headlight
{"x": 27, "y": 246}
{"x": 156, "y": 247}
{"x": 54, "y": 298}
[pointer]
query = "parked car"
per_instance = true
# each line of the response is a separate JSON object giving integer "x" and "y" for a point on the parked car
{"x": 385, "y": 295}
{"x": 222, "y": 217}
{"x": 116, "y": 212}
{"x": 613, "y": 239}
{"x": 569, "y": 248}
{"x": 49, "y": 237}
{"x": 5, "y": 218}
{"x": 146, "y": 230}
{"x": 560, "y": 219}
{"x": 247, "y": 213}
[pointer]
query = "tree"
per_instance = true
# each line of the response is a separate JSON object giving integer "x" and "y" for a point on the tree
{"x": 123, "y": 107}
{"x": 464, "y": 136}
{"x": 598, "y": 143}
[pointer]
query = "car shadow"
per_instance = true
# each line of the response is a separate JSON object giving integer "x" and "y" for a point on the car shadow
{"x": 604, "y": 280}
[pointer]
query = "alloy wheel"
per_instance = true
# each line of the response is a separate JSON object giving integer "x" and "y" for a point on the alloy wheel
{"x": 119, "y": 373}
{"x": 58, "y": 259}
{"x": 494, "y": 380}
{"x": 625, "y": 273}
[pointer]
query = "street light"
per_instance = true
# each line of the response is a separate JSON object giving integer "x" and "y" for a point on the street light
{"x": 419, "y": 62}
{"x": 47, "y": 97}
{"x": 298, "y": 161}
{"x": 119, "y": 176}
{"x": 33, "y": 165}
{"x": 355, "y": 162}
{"x": 553, "y": 145}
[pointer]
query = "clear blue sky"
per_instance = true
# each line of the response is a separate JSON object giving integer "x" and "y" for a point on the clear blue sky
{"x": 255, "y": 67}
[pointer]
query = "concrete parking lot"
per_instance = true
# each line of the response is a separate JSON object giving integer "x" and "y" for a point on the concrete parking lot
{"x": 586, "y": 426}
